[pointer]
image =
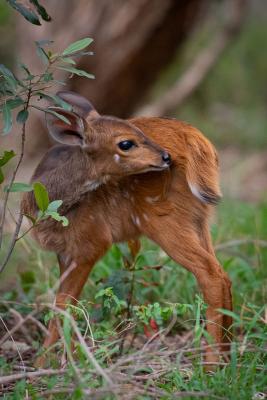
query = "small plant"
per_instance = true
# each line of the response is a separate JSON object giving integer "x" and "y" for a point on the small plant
{"x": 111, "y": 301}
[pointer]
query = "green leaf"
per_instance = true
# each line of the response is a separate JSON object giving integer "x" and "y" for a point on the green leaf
{"x": 67, "y": 332}
{"x": 230, "y": 314}
{"x": 26, "y": 12}
{"x": 25, "y": 69}
{"x": 77, "y": 46}
{"x": 56, "y": 99}
{"x": 54, "y": 205}
{"x": 6, "y": 72}
{"x": 83, "y": 53}
{"x": 41, "y": 10}
{"x": 41, "y": 196}
{"x": 2, "y": 177}
{"x": 42, "y": 54}
{"x": 22, "y": 116}
{"x": 4, "y": 160}
{"x": 43, "y": 42}
{"x": 55, "y": 215}
{"x": 6, "y": 157}
{"x": 14, "y": 103}
{"x": 47, "y": 77}
{"x": 77, "y": 71}
{"x": 7, "y": 118}
{"x": 19, "y": 187}
{"x": 9, "y": 77}
{"x": 68, "y": 60}
{"x": 64, "y": 119}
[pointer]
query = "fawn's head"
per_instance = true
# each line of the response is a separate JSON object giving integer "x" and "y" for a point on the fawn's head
{"x": 115, "y": 146}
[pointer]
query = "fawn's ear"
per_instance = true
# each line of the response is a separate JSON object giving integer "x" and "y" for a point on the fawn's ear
{"x": 68, "y": 130}
{"x": 80, "y": 105}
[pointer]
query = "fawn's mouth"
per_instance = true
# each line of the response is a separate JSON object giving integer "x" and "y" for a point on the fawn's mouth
{"x": 158, "y": 168}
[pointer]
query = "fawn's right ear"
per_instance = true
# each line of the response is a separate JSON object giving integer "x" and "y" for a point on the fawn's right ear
{"x": 80, "y": 105}
{"x": 68, "y": 130}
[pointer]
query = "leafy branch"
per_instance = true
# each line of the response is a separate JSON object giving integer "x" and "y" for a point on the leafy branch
{"x": 31, "y": 13}
{"x": 18, "y": 96}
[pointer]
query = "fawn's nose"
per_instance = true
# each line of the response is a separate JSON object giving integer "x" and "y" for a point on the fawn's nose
{"x": 166, "y": 157}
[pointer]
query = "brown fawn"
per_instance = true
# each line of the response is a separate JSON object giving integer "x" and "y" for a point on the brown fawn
{"x": 122, "y": 179}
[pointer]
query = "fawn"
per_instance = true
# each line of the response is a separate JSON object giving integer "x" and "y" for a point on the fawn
{"x": 120, "y": 179}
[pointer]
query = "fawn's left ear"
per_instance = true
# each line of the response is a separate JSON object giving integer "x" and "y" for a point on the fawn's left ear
{"x": 69, "y": 129}
{"x": 80, "y": 105}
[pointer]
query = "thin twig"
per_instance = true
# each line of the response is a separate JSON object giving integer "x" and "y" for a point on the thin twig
{"x": 29, "y": 375}
{"x": 18, "y": 224}
{"x": 16, "y": 327}
{"x": 11, "y": 337}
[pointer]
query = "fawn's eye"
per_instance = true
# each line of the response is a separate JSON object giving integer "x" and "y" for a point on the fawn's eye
{"x": 126, "y": 145}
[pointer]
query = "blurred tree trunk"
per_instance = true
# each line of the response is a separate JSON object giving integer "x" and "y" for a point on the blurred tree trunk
{"x": 134, "y": 41}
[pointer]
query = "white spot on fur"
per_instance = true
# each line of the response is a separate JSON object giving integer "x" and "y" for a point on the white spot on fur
{"x": 152, "y": 199}
{"x": 116, "y": 158}
{"x": 105, "y": 178}
{"x": 196, "y": 192}
{"x": 136, "y": 220}
{"x": 91, "y": 185}
{"x": 91, "y": 217}
{"x": 145, "y": 217}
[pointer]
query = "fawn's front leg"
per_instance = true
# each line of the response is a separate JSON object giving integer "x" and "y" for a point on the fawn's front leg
{"x": 73, "y": 277}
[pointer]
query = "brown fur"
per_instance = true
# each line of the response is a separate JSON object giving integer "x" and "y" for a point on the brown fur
{"x": 131, "y": 202}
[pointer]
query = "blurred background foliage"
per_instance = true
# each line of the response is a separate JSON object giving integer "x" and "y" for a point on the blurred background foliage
{"x": 229, "y": 105}
{"x": 133, "y": 65}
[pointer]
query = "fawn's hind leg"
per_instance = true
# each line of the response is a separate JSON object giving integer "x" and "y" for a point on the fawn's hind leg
{"x": 182, "y": 243}
{"x": 206, "y": 242}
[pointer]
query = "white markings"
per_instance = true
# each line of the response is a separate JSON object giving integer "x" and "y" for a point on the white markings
{"x": 145, "y": 217}
{"x": 105, "y": 178}
{"x": 136, "y": 220}
{"x": 91, "y": 185}
{"x": 152, "y": 199}
{"x": 196, "y": 192}
{"x": 116, "y": 158}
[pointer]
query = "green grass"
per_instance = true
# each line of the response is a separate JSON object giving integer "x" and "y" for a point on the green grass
{"x": 166, "y": 367}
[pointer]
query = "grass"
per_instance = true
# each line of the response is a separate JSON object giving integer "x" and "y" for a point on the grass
{"x": 137, "y": 327}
